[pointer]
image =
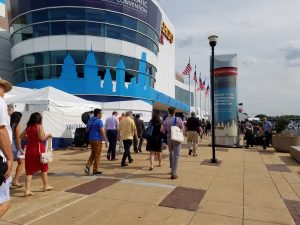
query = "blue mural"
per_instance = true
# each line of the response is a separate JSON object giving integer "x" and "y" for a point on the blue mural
{"x": 138, "y": 88}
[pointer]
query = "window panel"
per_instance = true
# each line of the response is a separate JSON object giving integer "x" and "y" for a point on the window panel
{"x": 76, "y": 28}
{"x": 129, "y": 22}
{"x": 76, "y": 14}
{"x": 95, "y": 15}
{"x": 58, "y": 14}
{"x": 58, "y": 28}
{"x": 40, "y": 30}
{"x": 113, "y": 18}
{"x": 40, "y": 16}
{"x": 94, "y": 29}
{"x": 128, "y": 35}
{"x": 113, "y": 32}
{"x": 27, "y": 33}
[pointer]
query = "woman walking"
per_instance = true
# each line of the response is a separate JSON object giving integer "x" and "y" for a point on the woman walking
{"x": 35, "y": 145}
{"x": 16, "y": 147}
{"x": 155, "y": 141}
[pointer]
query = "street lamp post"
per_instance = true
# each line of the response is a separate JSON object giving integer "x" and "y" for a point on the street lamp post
{"x": 213, "y": 42}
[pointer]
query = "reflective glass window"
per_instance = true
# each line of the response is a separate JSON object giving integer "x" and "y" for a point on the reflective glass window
{"x": 42, "y": 58}
{"x": 56, "y": 71}
{"x": 27, "y": 33}
{"x": 78, "y": 56}
{"x": 41, "y": 30}
{"x": 129, "y": 22}
{"x": 40, "y": 16}
{"x": 76, "y": 14}
{"x": 113, "y": 32}
{"x": 19, "y": 77}
{"x": 95, "y": 15}
{"x": 141, "y": 27}
{"x": 76, "y": 28}
{"x": 111, "y": 59}
{"x": 141, "y": 40}
{"x": 29, "y": 60}
{"x": 30, "y": 74}
{"x": 128, "y": 35}
{"x": 16, "y": 38}
{"x": 100, "y": 58}
{"x": 130, "y": 63}
{"x": 57, "y": 57}
{"x": 58, "y": 28}
{"x": 113, "y": 18}
{"x": 58, "y": 14}
{"x": 80, "y": 71}
{"x": 42, "y": 72}
{"x": 94, "y": 29}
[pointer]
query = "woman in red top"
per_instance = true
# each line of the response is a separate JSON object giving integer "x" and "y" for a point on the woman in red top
{"x": 35, "y": 145}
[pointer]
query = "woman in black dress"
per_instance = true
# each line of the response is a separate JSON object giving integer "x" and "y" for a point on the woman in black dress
{"x": 155, "y": 141}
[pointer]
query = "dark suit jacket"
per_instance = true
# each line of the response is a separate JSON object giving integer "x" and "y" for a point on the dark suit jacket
{"x": 140, "y": 127}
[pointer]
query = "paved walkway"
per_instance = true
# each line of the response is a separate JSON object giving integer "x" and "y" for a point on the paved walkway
{"x": 249, "y": 187}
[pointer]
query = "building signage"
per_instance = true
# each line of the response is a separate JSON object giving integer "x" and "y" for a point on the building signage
{"x": 144, "y": 10}
{"x": 166, "y": 32}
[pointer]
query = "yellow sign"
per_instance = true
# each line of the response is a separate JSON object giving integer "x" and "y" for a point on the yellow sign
{"x": 167, "y": 33}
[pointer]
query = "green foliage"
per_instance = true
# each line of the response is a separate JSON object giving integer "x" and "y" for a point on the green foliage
{"x": 261, "y": 116}
{"x": 281, "y": 124}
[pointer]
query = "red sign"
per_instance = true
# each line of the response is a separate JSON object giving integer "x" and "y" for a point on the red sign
{"x": 226, "y": 71}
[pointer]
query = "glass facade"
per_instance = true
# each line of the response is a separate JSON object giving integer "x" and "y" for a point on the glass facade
{"x": 48, "y": 65}
{"x": 83, "y": 21}
{"x": 183, "y": 96}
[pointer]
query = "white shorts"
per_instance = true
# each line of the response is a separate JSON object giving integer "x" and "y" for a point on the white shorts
{"x": 4, "y": 191}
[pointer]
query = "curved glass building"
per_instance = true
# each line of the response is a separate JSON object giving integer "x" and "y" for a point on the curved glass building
{"x": 44, "y": 33}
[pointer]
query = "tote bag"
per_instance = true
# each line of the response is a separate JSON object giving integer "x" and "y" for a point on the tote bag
{"x": 176, "y": 134}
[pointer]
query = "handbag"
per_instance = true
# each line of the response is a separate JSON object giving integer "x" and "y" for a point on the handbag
{"x": 176, "y": 134}
{"x": 3, "y": 169}
{"x": 148, "y": 132}
{"x": 47, "y": 156}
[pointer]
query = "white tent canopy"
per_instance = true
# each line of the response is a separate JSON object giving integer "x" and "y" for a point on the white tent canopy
{"x": 17, "y": 91}
{"x": 51, "y": 99}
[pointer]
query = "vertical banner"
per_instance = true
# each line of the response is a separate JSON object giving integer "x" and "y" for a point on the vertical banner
{"x": 226, "y": 106}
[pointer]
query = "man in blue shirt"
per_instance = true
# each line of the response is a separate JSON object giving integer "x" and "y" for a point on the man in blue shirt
{"x": 96, "y": 136}
{"x": 111, "y": 129}
{"x": 267, "y": 126}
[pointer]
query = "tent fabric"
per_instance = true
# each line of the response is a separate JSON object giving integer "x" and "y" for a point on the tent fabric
{"x": 51, "y": 99}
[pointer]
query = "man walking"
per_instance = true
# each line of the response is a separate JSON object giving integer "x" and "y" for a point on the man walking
{"x": 174, "y": 147}
{"x": 249, "y": 133}
{"x": 96, "y": 136}
{"x": 6, "y": 156}
{"x": 111, "y": 128}
{"x": 140, "y": 127}
{"x": 127, "y": 133}
{"x": 267, "y": 126}
{"x": 192, "y": 126}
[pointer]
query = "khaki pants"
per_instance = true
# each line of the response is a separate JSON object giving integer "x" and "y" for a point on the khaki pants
{"x": 96, "y": 148}
{"x": 192, "y": 140}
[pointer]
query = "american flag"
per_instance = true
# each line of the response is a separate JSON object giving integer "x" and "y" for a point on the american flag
{"x": 203, "y": 86}
{"x": 195, "y": 77}
{"x": 207, "y": 91}
{"x": 200, "y": 84}
{"x": 188, "y": 69}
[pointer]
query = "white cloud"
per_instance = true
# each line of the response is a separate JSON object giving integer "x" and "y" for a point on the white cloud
{"x": 262, "y": 33}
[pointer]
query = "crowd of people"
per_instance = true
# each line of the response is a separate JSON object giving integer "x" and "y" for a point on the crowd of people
{"x": 128, "y": 130}
{"x": 255, "y": 133}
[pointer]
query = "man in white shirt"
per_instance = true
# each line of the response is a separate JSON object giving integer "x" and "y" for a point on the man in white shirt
{"x": 6, "y": 155}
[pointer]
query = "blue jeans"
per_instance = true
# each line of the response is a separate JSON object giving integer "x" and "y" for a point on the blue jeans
{"x": 174, "y": 150}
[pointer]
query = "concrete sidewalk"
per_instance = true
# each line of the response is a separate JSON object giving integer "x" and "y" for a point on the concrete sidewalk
{"x": 249, "y": 187}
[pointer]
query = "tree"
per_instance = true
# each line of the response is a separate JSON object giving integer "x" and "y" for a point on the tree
{"x": 261, "y": 116}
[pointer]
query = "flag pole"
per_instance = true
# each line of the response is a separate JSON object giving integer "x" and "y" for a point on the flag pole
{"x": 200, "y": 100}
{"x": 190, "y": 88}
{"x": 195, "y": 92}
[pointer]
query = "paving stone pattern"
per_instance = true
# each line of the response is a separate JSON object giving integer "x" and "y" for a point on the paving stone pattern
{"x": 184, "y": 198}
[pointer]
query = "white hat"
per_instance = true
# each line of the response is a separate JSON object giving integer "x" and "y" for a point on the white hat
{"x": 6, "y": 85}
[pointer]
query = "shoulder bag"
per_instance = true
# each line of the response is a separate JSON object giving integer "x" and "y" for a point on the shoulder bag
{"x": 176, "y": 134}
{"x": 47, "y": 156}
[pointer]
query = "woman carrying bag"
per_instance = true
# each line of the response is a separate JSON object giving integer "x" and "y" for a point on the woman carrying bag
{"x": 35, "y": 146}
{"x": 154, "y": 142}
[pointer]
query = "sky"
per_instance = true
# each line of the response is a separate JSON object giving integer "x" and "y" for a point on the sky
{"x": 264, "y": 33}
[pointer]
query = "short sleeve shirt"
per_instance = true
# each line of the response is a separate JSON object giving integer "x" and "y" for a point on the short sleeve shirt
{"x": 5, "y": 121}
{"x": 94, "y": 126}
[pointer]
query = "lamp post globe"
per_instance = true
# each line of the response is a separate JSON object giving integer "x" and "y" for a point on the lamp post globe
{"x": 213, "y": 42}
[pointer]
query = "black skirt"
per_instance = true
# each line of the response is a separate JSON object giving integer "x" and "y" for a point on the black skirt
{"x": 155, "y": 141}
